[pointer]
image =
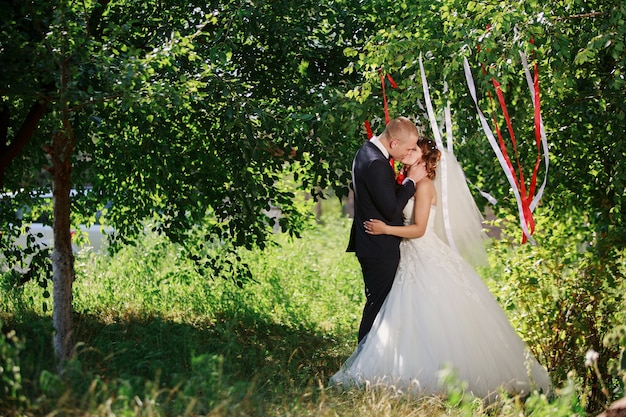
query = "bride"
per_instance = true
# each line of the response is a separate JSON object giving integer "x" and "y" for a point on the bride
{"x": 438, "y": 315}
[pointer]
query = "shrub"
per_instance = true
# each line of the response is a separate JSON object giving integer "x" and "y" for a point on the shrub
{"x": 563, "y": 295}
{"x": 10, "y": 373}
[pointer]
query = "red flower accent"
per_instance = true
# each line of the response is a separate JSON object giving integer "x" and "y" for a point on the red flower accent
{"x": 400, "y": 177}
{"x": 398, "y": 170}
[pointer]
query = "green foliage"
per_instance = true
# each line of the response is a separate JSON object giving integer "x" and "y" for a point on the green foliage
{"x": 175, "y": 110}
{"x": 11, "y": 389}
{"x": 616, "y": 339}
{"x": 578, "y": 47}
{"x": 566, "y": 403}
{"x": 145, "y": 314}
{"x": 22, "y": 256}
{"x": 565, "y": 299}
{"x": 181, "y": 110}
{"x": 195, "y": 114}
{"x": 155, "y": 337}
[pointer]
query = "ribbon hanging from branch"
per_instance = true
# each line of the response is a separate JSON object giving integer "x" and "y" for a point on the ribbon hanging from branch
{"x": 522, "y": 196}
{"x": 458, "y": 221}
{"x": 540, "y": 133}
{"x": 443, "y": 161}
{"x": 368, "y": 126}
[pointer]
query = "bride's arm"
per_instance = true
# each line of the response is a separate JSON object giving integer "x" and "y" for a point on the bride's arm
{"x": 424, "y": 197}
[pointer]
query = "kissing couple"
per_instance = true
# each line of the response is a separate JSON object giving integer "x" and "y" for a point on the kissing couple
{"x": 426, "y": 308}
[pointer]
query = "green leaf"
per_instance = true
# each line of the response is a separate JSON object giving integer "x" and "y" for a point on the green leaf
{"x": 584, "y": 55}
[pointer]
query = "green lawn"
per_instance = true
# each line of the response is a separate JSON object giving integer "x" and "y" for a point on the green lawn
{"x": 158, "y": 338}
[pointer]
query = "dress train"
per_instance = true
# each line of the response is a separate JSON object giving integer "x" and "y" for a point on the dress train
{"x": 440, "y": 315}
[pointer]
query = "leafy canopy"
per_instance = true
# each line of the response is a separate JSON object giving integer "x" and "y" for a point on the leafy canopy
{"x": 181, "y": 110}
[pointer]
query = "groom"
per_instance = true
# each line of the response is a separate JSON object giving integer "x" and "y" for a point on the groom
{"x": 378, "y": 196}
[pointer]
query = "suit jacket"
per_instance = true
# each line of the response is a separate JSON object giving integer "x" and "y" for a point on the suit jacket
{"x": 376, "y": 196}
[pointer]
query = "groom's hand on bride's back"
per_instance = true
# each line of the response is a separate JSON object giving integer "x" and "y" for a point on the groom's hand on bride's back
{"x": 417, "y": 172}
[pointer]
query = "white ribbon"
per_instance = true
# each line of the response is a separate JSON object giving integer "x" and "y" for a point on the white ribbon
{"x": 444, "y": 170}
{"x": 498, "y": 152}
{"x": 544, "y": 140}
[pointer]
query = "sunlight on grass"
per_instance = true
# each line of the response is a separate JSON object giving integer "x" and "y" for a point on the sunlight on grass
{"x": 158, "y": 337}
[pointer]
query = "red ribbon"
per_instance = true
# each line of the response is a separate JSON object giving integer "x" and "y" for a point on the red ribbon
{"x": 394, "y": 85}
{"x": 368, "y": 129}
{"x": 526, "y": 195}
{"x": 519, "y": 178}
{"x": 536, "y": 98}
{"x": 368, "y": 126}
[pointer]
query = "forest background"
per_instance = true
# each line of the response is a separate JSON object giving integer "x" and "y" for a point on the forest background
{"x": 198, "y": 119}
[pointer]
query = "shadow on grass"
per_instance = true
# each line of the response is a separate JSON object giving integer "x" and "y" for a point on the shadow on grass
{"x": 232, "y": 349}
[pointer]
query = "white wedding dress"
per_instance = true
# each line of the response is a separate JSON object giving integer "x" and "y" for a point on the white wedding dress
{"x": 440, "y": 315}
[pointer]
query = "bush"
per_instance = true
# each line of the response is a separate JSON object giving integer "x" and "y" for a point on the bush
{"x": 563, "y": 295}
{"x": 10, "y": 373}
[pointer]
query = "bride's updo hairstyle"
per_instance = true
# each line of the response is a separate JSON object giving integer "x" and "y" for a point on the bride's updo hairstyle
{"x": 430, "y": 155}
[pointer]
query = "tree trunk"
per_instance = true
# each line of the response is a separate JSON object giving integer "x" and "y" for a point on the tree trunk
{"x": 63, "y": 273}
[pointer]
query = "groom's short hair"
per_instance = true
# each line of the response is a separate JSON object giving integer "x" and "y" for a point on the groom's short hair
{"x": 399, "y": 128}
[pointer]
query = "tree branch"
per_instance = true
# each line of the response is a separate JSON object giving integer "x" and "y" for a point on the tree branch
{"x": 12, "y": 150}
{"x": 580, "y": 16}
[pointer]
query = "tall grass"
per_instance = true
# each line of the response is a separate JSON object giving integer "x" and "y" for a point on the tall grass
{"x": 158, "y": 338}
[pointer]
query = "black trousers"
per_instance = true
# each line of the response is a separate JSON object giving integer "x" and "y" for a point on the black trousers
{"x": 378, "y": 276}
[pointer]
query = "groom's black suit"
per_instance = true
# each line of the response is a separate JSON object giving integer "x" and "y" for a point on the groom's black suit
{"x": 376, "y": 196}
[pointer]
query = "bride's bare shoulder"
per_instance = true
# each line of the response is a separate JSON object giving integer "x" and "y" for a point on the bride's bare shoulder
{"x": 426, "y": 185}
{"x": 426, "y": 190}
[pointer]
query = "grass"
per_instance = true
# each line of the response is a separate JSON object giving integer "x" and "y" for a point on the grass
{"x": 157, "y": 338}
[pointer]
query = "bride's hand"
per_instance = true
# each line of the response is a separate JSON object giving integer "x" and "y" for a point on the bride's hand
{"x": 375, "y": 227}
{"x": 417, "y": 172}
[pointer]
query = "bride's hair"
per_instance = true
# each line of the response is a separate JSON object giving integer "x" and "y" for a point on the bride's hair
{"x": 430, "y": 155}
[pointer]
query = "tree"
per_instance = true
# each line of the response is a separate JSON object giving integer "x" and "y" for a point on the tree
{"x": 63, "y": 45}
{"x": 191, "y": 113}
